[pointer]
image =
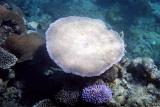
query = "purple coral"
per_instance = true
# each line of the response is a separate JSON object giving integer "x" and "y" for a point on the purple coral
{"x": 97, "y": 94}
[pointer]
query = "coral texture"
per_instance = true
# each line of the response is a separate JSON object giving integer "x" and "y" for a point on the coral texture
{"x": 44, "y": 103}
{"x": 146, "y": 68}
{"x": 24, "y": 46}
{"x": 7, "y": 59}
{"x": 83, "y": 46}
{"x": 97, "y": 94}
{"x": 68, "y": 97}
{"x": 10, "y": 23}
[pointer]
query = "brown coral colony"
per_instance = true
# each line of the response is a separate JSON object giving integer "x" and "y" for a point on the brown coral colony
{"x": 24, "y": 46}
{"x": 13, "y": 36}
{"x": 10, "y": 23}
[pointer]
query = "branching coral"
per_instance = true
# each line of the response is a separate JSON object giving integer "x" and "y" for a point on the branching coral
{"x": 97, "y": 94}
{"x": 83, "y": 46}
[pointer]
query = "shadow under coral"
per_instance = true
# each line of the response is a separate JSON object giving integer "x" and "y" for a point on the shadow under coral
{"x": 31, "y": 73}
{"x": 40, "y": 80}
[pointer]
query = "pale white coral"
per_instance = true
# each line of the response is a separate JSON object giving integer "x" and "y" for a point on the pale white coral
{"x": 83, "y": 46}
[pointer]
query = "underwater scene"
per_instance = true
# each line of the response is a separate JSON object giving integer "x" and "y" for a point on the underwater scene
{"x": 79, "y": 53}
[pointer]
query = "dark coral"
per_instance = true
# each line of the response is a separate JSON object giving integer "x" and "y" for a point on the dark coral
{"x": 10, "y": 104}
{"x": 11, "y": 97}
{"x": 110, "y": 75}
{"x": 68, "y": 97}
{"x": 144, "y": 68}
{"x": 7, "y": 59}
{"x": 10, "y": 23}
{"x": 11, "y": 93}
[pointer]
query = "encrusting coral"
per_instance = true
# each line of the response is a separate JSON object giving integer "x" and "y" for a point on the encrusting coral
{"x": 145, "y": 67}
{"x": 68, "y": 97}
{"x": 83, "y": 46}
{"x": 44, "y": 103}
{"x": 110, "y": 75}
{"x": 7, "y": 59}
{"x": 24, "y": 46}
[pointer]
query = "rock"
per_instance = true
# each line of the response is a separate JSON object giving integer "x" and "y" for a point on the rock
{"x": 33, "y": 25}
{"x": 119, "y": 92}
{"x": 110, "y": 75}
{"x": 139, "y": 97}
{"x": 146, "y": 68}
{"x": 152, "y": 89}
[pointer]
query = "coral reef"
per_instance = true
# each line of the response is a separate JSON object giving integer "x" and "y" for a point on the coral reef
{"x": 37, "y": 81}
{"x": 127, "y": 94}
{"x": 97, "y": 94}
{"x": 145, "y": 68}
{"x": 135, "y": 87}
